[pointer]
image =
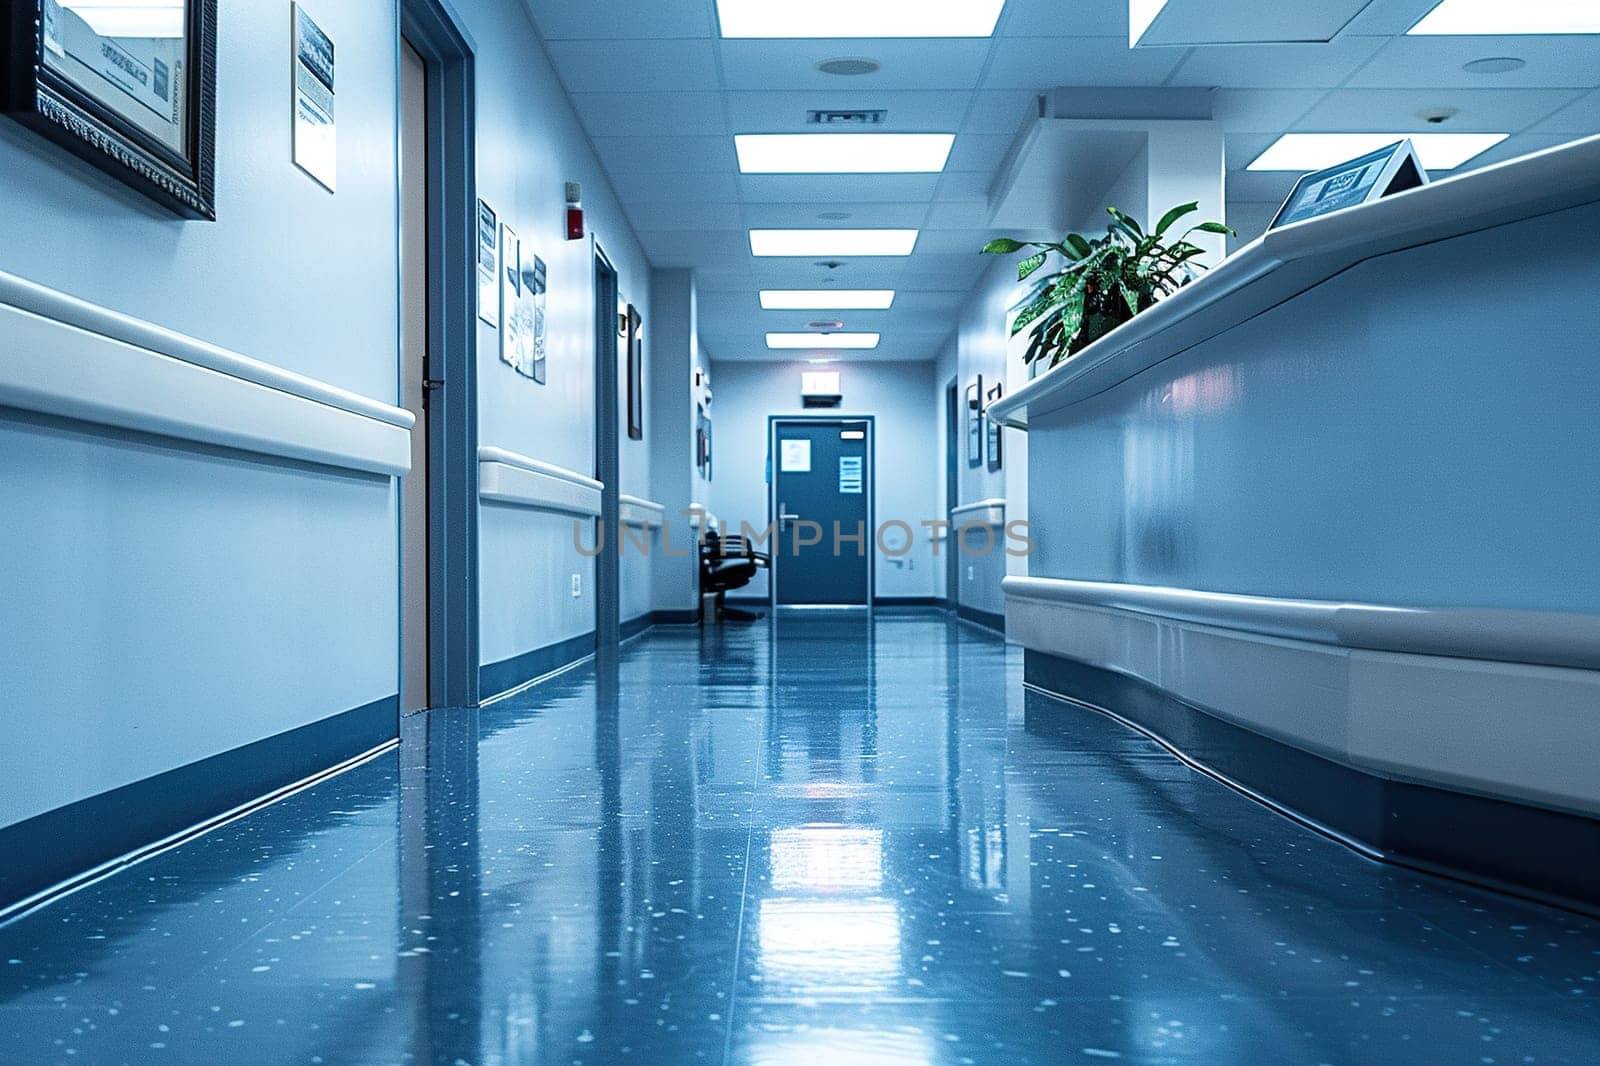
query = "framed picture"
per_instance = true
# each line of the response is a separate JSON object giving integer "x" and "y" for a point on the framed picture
{"x": 996, "y": 431}
{"x": 635, "y": 350}
{"x": 129, "y": 88}
{"x": 974, "y": 409}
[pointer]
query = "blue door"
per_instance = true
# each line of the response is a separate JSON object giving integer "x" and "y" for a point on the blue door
{"x": 823, "y": 492}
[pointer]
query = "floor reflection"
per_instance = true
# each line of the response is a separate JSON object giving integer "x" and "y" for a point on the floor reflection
{"x": 823, "y": 838}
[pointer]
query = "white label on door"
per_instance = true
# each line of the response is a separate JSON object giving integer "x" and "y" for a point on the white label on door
{"x": 796, "y": 457}
{"x": 850, "y": 475}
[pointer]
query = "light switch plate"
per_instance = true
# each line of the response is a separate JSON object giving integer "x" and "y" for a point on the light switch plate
{"x": 577, "y": 585}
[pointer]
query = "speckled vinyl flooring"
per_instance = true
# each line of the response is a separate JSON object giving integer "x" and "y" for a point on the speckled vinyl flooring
{"x": 818, "y": 841}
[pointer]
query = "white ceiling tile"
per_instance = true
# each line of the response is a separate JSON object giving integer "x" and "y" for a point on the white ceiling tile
{"x": 937, "y": 111}
{"x": 1065, "y": 18}
{"x": 714, "y": 249}
{"x": 1386, "y": 18}
{"x": 641, "y": 186}
{"x": 724, "y": 280}
{"x": 614, "y": 19}
{"x": 832, "y": 188}
{"x": 1480, "y": 110}
{"x": 963, "y": 185}
{"x": 1041, "y": 63}
{"x": 958, "y": 214}
{"x": 668, "y": 155}
{"x": 684, "y": 214}
{"x": 1276, "y": 66}
{"x": 1436, "y": 62}
{"x": 980, "y": 152}
{"x": 1578, "y": 119}
{"x": 635, "y": 66}
{"x": 884, "y": 215}
{"x": 954, "y": 241}
{"x": 923, "y": 64}
{"x": 650, "y": 114}
{"x": 1253, "y": 110}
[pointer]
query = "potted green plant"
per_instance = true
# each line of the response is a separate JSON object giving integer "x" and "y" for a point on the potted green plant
{"x": 1102, "y": 284}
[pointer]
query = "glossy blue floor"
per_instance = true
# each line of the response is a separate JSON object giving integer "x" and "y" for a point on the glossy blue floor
{"x": 814, "y": 841}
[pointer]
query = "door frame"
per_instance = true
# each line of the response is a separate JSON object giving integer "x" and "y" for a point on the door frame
{"x": 954, "y": 441}
{"x": 776, "y": 554}
{"x": 607, "y": 454}
{"x": 452, "y": 373}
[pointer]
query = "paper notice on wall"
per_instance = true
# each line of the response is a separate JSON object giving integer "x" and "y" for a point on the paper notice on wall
{"x": 316, "y": 135}
{"x": 795, "y": 457}
{"x": 488, "y": 264}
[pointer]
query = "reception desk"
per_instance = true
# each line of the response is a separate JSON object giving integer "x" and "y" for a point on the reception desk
{"x": 1327, "y": 523}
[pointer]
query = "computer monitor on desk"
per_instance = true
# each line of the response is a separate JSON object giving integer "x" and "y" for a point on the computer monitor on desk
{"x": 1359, "y": 181}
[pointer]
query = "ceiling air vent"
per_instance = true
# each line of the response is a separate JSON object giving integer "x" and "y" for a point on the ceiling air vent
{"x": 846, "y": 118}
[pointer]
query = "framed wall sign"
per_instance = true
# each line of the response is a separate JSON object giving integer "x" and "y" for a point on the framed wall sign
{"x": 635, "y": 351}
{"x": 129, "y": 88}
{"x": 996, "y": 431}
{"x": 974, "y": 410}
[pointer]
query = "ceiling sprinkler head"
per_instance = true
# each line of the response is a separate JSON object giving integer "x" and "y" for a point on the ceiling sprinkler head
{"x": 829, "y": 264}
{"x": 1437, "y": 116}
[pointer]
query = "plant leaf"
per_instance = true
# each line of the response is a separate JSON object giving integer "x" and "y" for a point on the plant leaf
{"x": 1028, "y": 266}
{"x": 1214, "y": 227}
{"x": 1133, "y": 226}
{"x": 1176, "y": 213}
{"x": 1003, "y": 246}
{"x": 1079, "y": 245}
{"x": 1129, "y": 297}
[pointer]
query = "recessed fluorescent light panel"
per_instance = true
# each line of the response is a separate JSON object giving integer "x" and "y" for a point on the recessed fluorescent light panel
{"x": 843, "y": 153}
{"x": 859, "y": 18}
{"x": 1141, "y": 13}
{"x": 830, "y": 242}
{"x": 827, "y": 299}
{"x": 841, "y": 341}
{"x": 1314, "y": 151}
{"x": 1493, "y": 18}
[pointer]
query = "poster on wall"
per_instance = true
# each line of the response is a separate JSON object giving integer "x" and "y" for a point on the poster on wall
{"x": 534, "y": 285}
{"x": 488, "y": 264}
{"x": 316, "y": 134}
{"x": 510, "y": 296}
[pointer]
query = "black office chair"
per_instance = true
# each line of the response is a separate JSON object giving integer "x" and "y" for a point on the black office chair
{"x": 728, "y": 563}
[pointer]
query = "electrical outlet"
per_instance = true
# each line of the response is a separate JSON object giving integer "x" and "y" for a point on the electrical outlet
{"x": 577, "y": 585}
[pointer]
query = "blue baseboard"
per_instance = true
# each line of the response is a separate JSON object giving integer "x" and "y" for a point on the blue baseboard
{"x": 908, "y": 603}
{"x": 986, "y": 619}
{"x": 1550, "y": 856}
{"x": 501, "y": 677}
{"x": 58, "y": 845}
{"x": 634, "y": 626}
{"x": 674, "y": 618}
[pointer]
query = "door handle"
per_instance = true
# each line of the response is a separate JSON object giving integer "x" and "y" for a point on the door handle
{"x": 784, "y": 517}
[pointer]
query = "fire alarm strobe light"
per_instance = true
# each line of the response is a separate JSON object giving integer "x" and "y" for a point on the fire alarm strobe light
{"x": 574, "y": 211}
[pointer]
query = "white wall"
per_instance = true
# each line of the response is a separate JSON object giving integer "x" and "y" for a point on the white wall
{"x": 982, "y": 346}
{"x": 165, "y": 602}
{"x": 908, "y": 449}
{"x": 530, "y": 144}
